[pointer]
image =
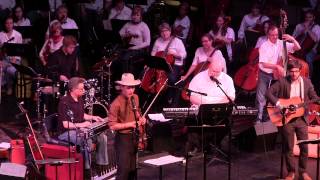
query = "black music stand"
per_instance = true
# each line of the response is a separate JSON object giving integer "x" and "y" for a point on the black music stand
{"x": 71, "y": 32}
{"x": 158, "y": 63}
{"x": 25, "y": 70}
{"x": 26, "y": 31}
{"x": 313, "y": 141}
{"x": 15, "y": 49}
{"x": 214, "y": 116}
{"x": 117, "y": 24}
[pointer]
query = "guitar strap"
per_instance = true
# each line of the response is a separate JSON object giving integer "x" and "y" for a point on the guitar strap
{"x": 301, "y": 88}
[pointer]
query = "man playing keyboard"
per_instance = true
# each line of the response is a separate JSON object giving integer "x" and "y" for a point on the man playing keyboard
{"x": 72, "y": 117}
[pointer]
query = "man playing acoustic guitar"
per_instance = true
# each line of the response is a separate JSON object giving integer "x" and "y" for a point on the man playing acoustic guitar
{"x": 286, "y": 89}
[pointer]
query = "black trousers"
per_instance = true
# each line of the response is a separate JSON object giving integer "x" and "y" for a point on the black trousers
{"x": 299, "y": 127}
{"x": 125, "y": 156}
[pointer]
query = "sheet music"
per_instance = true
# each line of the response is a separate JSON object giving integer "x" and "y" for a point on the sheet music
{"x": 13, "y": 169}
{"x": 5, "y": 145}
{"x": 158, "y": 117}
{"x": 169, "y": 159}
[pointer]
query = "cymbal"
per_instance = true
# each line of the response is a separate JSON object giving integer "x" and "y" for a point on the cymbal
{"x": 42, "y": 79}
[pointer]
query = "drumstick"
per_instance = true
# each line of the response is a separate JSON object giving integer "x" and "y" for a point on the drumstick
{"x": 178, "y": 82}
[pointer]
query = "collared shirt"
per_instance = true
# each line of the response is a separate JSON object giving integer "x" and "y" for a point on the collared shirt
{"x": 22, "y": 22}
{"x": 67, "y": 103}
{"x": 260, "y": 41}
{"x": 125, "y": 14}
{"x": 176, "y": 45}
{"x": 184, "y": 22}
{"x": 271, "y": 53}
{"x": 200, "y": 56}
{"x": 295, "y": 90}
{"x": 249, "y": 22}
{"x": 141, "y": 30}
{"x": 229, "y": 35}
{"x": 121, "y": 111}
{"x": 202, "y": 83}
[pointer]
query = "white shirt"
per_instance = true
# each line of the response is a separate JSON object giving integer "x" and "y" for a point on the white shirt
{"x": 141, "y": 30}
{"x": 95, "y": 5}
{"x": 5, "y": 38}
{"x": 202, "y": 83}
{"x": 176, "y": 45}
{"x": 54, "y": 4}
{"x": 22, "y": 22}
{"x": 299, "y": 29}
{"x": 69, "y": 24}
{"x": 200, "y": 56}
{"x": 184, "y": 22}
{"x": 125, "y": 14}
{"x": 52, "y": 46}
{"x": 270, "y": 53}
{"x": 249, "y": 22}
{"x": 229, "y": 35}
{"x": 261, "y": 40}
{"x": 7, "y": 4}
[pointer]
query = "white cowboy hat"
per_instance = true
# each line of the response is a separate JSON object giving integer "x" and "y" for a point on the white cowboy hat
{"x": 127, "y": 79}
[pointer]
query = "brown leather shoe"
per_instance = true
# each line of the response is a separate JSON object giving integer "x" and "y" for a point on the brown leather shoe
{"x": 305, "y": 176}
{"x": 290, "y": 176}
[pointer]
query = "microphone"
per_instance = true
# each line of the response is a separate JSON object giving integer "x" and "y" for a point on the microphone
{"x": 133, "y": 103}
{"x": 11, "y": 39}
{"x": 215, "y": 80}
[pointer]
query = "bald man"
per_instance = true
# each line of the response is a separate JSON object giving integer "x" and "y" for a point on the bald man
{"x": 204, "y": 82}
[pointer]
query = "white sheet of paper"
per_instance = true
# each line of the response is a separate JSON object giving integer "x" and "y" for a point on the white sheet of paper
{"x": 169, "y": 159}
{"x": 5, "y": 145}
{"x": 13, "y": 169}
{"x": 158, "y": 117}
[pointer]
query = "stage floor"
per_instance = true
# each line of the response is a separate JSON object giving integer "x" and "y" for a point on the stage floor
{"x": 245, "y": 165}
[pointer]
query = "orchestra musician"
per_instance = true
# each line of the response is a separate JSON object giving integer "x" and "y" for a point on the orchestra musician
{"x": 206, "y": 53}
{"x": 223, "y": 36}
{"x": 181, "y": 25}
{"x": 175, "y": 48}
{"x": 19, "y": 17}
{"x": 250, "y": 21}
{"x": 52, "y": 44}
{"x": 9, "y": 35}
{"x": 136, "y": 37}
{"x": 122, "y": 120}
{"x": 264, "y": 37}
{"x": 307, "y": 34}
{"x": 71, "y": 125}
{"x": 294, "y": 85}
{"x": 270, "y": 65}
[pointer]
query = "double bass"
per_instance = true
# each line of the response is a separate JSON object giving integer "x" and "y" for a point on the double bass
{"x": 153, "y": 79}
{"x": 247, "y": 76}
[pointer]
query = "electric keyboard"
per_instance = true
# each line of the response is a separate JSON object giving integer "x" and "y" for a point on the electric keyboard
{"x": 178, "y": 113}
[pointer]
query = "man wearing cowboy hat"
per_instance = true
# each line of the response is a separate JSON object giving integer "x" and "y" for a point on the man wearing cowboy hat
{"x": 122, "y": 120}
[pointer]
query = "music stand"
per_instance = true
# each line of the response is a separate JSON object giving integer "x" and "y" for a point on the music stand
{"x": 313, "y": 141}
{"x": 158, "y": 63}
{"x": 26, "y": 31}
{"x": 15, "y": 49}
{"x": 71, "y": 32}
{"x": 214, "y": 116}
{"x": 117, "y": 24}
{"x": 25, "y": 70}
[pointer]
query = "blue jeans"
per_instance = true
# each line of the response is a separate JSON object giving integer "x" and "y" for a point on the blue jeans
{"x": 101, "y": 151}
{"x": 309, "y": 58}
{"x": 173, "y": 94}
{"x": 9, "y": 73}
{"x": 264, "y": 81}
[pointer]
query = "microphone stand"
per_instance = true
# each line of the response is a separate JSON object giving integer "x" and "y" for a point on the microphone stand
{"x": 231, "y": 102}
{"x": 137, "y": 135}
{"x": 188, "y": 90}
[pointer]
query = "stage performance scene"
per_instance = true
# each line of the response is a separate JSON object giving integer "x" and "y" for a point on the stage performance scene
{"x": 160, "y": 89}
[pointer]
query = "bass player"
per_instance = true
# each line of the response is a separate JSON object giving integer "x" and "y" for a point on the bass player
{"x": 294, "y": 85}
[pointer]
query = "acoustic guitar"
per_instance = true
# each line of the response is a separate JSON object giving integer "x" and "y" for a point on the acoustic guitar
{"x": 293, "y": 108}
